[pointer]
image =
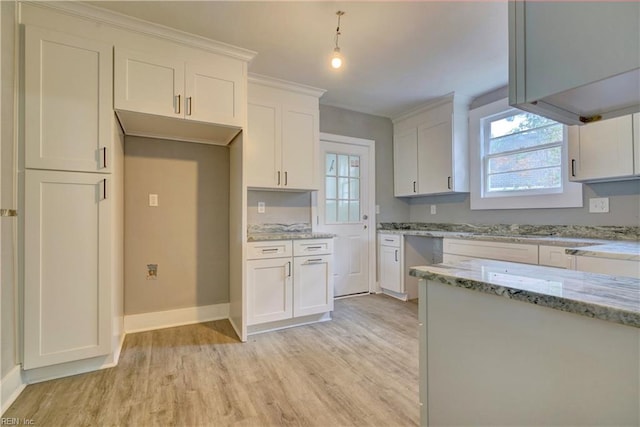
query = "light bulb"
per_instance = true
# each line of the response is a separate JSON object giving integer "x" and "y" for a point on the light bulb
{"x": 336, "y": 58}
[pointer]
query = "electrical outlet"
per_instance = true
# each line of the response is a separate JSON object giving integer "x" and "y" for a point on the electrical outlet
{"x": 433, "y": 209}
{"x": 599, "y": 205}
{"x": 377, "y": 209}
{"x": 153, "y": 200}
{"x": 152, "y": 271}
{"x": 261, "y": 207}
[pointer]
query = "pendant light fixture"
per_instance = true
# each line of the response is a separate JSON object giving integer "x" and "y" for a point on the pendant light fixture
{"x": 336, "y": 58}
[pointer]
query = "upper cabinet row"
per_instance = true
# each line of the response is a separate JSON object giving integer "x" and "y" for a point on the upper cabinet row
{"x": 283, "y": 135}
{"x": 605, "y": 151}
{"x": 73, "y": 84}
{"x": 575, "y": 62}
{"x": 195, "y": 93}
{"x": 430, "y": 154}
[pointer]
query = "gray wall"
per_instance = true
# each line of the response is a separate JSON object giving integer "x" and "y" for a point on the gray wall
{"x": 359, "y": 125}
{"x": 187, "y": 235}
{"x": 7, "y": 243}
{"x": 281, "y": 207}
{"x": 624, "y": 209}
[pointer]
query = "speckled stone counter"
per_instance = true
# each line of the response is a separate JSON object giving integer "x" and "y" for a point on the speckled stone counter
{"x": 603, "y": 242}
{"x": 266, "y": 232}
{"x": 520, "y": 230}
{"x": 615, "y": 299}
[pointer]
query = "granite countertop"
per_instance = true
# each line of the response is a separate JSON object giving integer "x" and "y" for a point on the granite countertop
{"x": 277, "y": 231}
{"x": 261, "y": 237}
{"x": 599, "y": 241}
{"x": 611, "y": 298}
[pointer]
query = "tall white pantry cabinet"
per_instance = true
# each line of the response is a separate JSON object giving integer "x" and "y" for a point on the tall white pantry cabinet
{"x": 67, "y": 203}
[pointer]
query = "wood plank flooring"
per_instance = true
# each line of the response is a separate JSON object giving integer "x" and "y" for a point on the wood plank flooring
{"x": 359, "y": 369}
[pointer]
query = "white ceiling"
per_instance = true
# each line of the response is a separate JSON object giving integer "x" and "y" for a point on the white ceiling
{"x": 397, "y": 54}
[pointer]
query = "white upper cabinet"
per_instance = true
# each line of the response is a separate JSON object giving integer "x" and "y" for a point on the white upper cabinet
{"x": 204, "y": 96}
{"x": 67, "y": 103}
{"x": 405, "y": 165}
{"x": 431, "y": 150}
{"x": 602, "y": 151}
{"x": 148, "y": 83}
{"x": 636, "y": 144}
{"x": 575, "y": 61}
{"x": 283, "y": 135}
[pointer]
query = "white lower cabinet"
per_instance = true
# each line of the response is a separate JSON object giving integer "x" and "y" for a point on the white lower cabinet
{"x": 66, "y": 267}
{"x": 269, "y": 286}
{"x": 288, "y": 280}
{"x": 312, "y": 285}
{"x": 390, "y": 263}
{"x": 612, "y": 267}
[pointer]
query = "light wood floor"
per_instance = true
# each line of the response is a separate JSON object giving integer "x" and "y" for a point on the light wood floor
{"x": 361, "y": 368}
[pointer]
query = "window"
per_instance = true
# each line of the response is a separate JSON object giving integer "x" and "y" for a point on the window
{"x": 342, "y": 188}
{"x": 521, "y": 153}
{"x": 518, "y": 160}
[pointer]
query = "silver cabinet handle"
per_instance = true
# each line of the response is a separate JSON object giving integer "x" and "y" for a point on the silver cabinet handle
{"x": 104, "y": 188}
{"x": 388, "y": 240}
{"x": 311, "y": 261}
{"x": 289, "y": 266}
{"x": 104, "y": 157}
{"x": 449, "y": 182}
{"x": 188, "y": 106}
{"x": 269, "y": 251}
{"x": 396, "y": 255}
{"x": 315, "y": 248}
{"x": 285, "y": 178}
{"x": 278, "y": 177}
{"x": 178, "y": 102}
{"x": 414, "y": 186}
{"x": 573, "y": 167}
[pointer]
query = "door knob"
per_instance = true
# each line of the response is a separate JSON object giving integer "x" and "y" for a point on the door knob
{"x": 365, "y": 216}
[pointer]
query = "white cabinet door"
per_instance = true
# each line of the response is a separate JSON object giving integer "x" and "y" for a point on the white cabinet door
{"x": 263, "y": 147}
{"x": 405, "y": 163}
{"x": 612, "y": 267}
{"x": 390, "y": 270}
{"x": 312, "y": 285}
{"x": 148, "y": 83}
{"x": 434, "y": 158}
{"x": 300, "y": 148}
{"x": 555, "y": 256}
{"x": 67, "y": 103}
{"x": 213, "y": 92}
{"x": 67, "y": 295}
{"x": 602, "y": 150}
{"x": 269, "y": 290}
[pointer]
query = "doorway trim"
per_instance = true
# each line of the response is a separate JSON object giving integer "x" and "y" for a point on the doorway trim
{"x": 370, "y": 144}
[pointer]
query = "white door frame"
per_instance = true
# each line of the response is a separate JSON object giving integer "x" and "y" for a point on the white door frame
{"x": 370, "y": 144}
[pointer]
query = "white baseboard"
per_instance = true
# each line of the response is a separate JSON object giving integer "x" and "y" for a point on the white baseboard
{"x": 401, "y": 297}
{"x": 171, "y": 318}
{"x": 12, "y": 385}
{"x": 288, "y": 323}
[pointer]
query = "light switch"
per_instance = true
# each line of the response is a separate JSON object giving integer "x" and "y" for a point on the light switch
{"x": 260, "y": 207}
{"x": 153, "y": 200}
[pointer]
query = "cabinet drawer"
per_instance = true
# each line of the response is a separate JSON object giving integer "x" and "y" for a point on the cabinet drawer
{"x": 271, "y": 249}
{"x": 389, "y": 240}
{"x": 514, "y": 252}
{"x": 312, "y": 247}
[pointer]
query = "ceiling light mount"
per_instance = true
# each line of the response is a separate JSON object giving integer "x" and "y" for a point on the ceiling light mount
{"x": 336, "y": 58}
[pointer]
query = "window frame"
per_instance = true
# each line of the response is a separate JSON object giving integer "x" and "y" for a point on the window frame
{"x": 570, "y": 194}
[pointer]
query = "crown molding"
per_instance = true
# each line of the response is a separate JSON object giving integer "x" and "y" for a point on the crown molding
{"x": 458, "y": 100}
{"x": 286, "y": 85}
{"x": 119, "y": 20}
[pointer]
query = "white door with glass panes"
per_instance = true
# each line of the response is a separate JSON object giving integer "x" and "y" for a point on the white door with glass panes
{"x": 343, "y": 210}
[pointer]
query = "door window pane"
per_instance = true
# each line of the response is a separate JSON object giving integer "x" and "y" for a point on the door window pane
{"x": 342, "y": 188}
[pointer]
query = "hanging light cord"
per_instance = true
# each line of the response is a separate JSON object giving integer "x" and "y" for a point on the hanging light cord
{"x": 339, "y": 13}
